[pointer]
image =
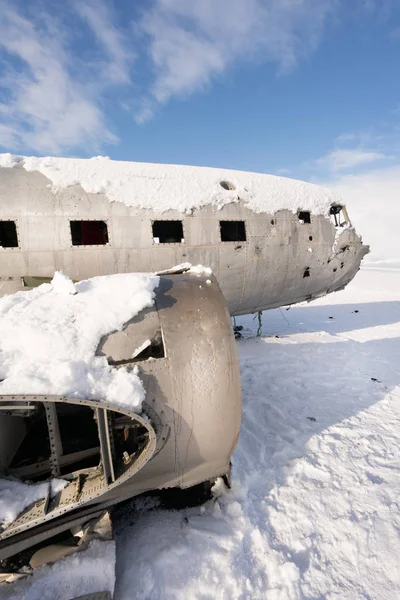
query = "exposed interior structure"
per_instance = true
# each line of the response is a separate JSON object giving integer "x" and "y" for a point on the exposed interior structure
{"x": 60, "y": 439}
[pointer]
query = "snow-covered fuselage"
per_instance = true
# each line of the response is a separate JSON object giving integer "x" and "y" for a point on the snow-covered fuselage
{"x": 269, "y": 241}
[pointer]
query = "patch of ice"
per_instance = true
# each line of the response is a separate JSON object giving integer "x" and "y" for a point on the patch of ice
{"x": 175, "y": 187}
{"x": 48, "y": 339}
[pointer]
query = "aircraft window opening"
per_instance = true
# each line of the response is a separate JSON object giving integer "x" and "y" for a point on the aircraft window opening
{"x": 89, "y": 233}
{"x": 227, "y": 185}
{"x": 338, "y": 216}
{"x": 304, "y": 216}
{"x": 232, "y": 231}
{"x": 306, "y": 272}
{"x": 56, "y": 433}
{"x": 167, "y": 232}
{"x": 8, "y": 234}
{"x": 310, "y": 238}
{"x": 61, "y": 439}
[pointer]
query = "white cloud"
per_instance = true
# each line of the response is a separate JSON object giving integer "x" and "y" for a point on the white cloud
{"x": 190, "y": 43}
{"x": 345, "y": 159}
{"x": 53, "y": 99}
{"x": 372, "y": 199}
{"x": 60, "y": 69}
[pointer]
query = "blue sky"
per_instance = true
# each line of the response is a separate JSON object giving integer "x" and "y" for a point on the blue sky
{"x": 305, "y": 88}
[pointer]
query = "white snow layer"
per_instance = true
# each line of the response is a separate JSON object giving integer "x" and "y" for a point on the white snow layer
{"x": 15, "y": 496}
{"x": 174, "y": 187}
{"x": 49, "y": 337}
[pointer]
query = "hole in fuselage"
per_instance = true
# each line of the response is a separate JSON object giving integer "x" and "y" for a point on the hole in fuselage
{"x": 167, "y": 232}
{"x": 306, "y": 272}
{"x": 8, "y": 234}
{"x": 304, "y": 216}
{"x": 89, "y": 233}
{"x": 79, "y": 442}
{"x": 337, "y": 214}
{"x": 232, "y": 231}
{"x": 227, "y": 185}
{"x": 153, "y": 349}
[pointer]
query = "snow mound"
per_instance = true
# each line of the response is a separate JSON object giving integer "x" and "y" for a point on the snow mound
{"x": 49, "y": 337}
{"x": 174, "y": 187}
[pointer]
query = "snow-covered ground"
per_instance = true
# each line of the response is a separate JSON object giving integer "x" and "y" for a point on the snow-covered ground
{"x": 314, "y": 509}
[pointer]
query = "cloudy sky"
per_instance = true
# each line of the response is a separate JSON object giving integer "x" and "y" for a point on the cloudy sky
{"x": 304, "y": 88}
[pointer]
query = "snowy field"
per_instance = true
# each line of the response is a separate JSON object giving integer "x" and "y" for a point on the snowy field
{"x": 314, "y": 509}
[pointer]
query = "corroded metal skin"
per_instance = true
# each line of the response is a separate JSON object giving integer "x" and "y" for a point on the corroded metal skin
{"x": 188, "y": 428}
{"x": 264, "y": 271}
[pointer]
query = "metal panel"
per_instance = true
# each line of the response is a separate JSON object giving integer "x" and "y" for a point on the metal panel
{"x": 55, "y": 440}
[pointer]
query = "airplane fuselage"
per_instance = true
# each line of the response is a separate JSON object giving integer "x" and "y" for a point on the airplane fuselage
{"x": 261, "y": 260}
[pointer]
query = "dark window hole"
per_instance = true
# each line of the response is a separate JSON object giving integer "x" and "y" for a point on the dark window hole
{"x": 8, "y": 234}
{"x": 167, "y": 232}
{"x": 89, "y": 233}
{"x": 338, "y": 217}
{"x": 310, "y": 238}
{"x": 227, "y": 185}
{"x": 272, "y": 222}
{"x": 304, "y": 216}
{"x": 232, "y": 231}
{"x": 306, "y": 272}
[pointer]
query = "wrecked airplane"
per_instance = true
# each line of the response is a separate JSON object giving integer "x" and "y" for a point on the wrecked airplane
{"x": 268, "y": 241}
